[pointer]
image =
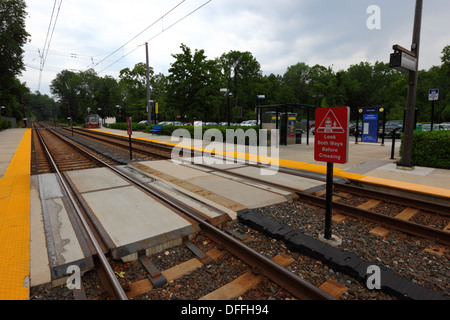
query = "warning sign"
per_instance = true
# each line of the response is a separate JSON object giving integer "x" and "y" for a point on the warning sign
{"x": 129, "y": 126}
{"x": 331, "y": 136}
{"x": 330, "y": 124}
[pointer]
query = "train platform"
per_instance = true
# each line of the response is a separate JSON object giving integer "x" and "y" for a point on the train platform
{"x": 368, "y": 163}
{"x": 15, "y": 163}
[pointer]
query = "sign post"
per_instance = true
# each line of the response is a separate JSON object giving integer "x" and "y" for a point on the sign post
{"x": 130, "y": 132}
{"x": 331, "y": 146}
{"x": 434, "y": 96}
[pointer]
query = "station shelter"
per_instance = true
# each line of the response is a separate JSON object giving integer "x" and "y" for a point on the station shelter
{"x": 288, "y": 119}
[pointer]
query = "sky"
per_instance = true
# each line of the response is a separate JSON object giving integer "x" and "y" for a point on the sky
{"x": 110, "y": 35}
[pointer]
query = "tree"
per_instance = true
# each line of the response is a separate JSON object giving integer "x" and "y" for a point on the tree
{"x": 444, "y": 85}
{"x": 13, "y": 36}
{"x": 242, "y": 75}
{"x": 193, "y": 85}
{"x": 42, "y": 106}
{"x": 297, "y": 78}
{"x": 77, "y": 92}
{"x": 107, "y": 96}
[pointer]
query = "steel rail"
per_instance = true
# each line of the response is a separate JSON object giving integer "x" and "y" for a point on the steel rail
{"x": 405, "y": 226}
{"x": 294, "y": 284}
{"x": 398, "y": 224}
{"x": 106, "y": 266}
{"x": 297, "y": 286}
{"x": 124, "y": 143}
{"x": 438, "y": 208}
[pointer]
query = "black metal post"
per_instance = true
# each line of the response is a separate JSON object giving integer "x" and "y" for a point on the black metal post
{"x": 394, "y": 133}
{"x": 228, "y": 108}
{"x": 131, "y": 153}
{"x": 384, "y": 128}
{"x": 432, "y": 115}
{"x": 307, "y": 126}
{"x": 329, "y": 201}
{"x": 357, "y": 127}
{"x": 276, "y": 120}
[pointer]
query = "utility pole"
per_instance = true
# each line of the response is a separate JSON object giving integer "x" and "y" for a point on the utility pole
{"x": 149, "y": 106}
{"x": 406, "y": 160}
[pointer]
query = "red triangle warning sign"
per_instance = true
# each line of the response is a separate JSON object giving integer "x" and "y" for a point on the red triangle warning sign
{"x": 330, "y": 124}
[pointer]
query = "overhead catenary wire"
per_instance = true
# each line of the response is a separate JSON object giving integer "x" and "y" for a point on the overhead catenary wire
{"x": 173, "y": 24}
{"x": 151, "y": 25}
{"x": 48, "y": 39}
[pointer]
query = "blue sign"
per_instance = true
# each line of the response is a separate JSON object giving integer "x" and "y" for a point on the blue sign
{"x": 434, "y": 95}
{"x": 371, "y": 110}
{"x": 370, "y": 127}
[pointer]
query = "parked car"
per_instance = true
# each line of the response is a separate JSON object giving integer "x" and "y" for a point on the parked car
{"x": 352, "y": 129}
{"x": 445, "y": 126}
{"x": 144, "y": 122}
{"x": 427, "y": 127}
{"x": 198, "y": 123}
{"x": 390, "y": 127}
{"x": 249, "y": 123}
{"x": 211, "y": 124}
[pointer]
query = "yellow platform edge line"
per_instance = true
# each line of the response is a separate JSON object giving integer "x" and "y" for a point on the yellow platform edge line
{"x": 435, "y": 191}
{"x": 419, "y": 188}
{"x": 15, "y": 224}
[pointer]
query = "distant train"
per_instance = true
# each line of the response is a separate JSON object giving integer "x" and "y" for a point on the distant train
{"x": 93, "y": 121}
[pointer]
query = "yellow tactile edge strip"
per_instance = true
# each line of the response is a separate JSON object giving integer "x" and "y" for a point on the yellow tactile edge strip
{"x": 15, "y": 224}
{"x": 441, "y": 192}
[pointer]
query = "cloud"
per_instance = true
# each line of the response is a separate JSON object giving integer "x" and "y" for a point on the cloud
{"x": 278, "y": 33}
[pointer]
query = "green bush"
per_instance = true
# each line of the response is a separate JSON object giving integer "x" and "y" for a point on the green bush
{"x": 123, "y": 126}
{"x": 167, "y": 130}
{"x": 431, "y": 149}
{"x": 5, "y": 124}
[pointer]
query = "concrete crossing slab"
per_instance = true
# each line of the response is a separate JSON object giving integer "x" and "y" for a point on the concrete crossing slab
{"x": 96, "y": 179}
{"x": 241, "y": 193}
{"x": 280, "y": 178}
{"x": 65, "y": 244}
{"x": 132, "y": 219}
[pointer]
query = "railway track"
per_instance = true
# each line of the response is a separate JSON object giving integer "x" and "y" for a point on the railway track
{"x": 438, "y": 212}
{"x": 402, "y": 223}
{"x": 260, "y": 264}
{"x": 68, "y": 155}
{"x": 93, "y": 238}
{"x": 344, "y": 194}
{"x": 146, "y": 149}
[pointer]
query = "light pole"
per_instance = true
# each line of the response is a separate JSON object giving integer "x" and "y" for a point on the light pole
{"x": 120, "y": 112}
{"x": 147, "y": 76}
{"x": 259, "y": 98}
{"x": 228, "y": 94}
{"x": 317, "y": 97}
